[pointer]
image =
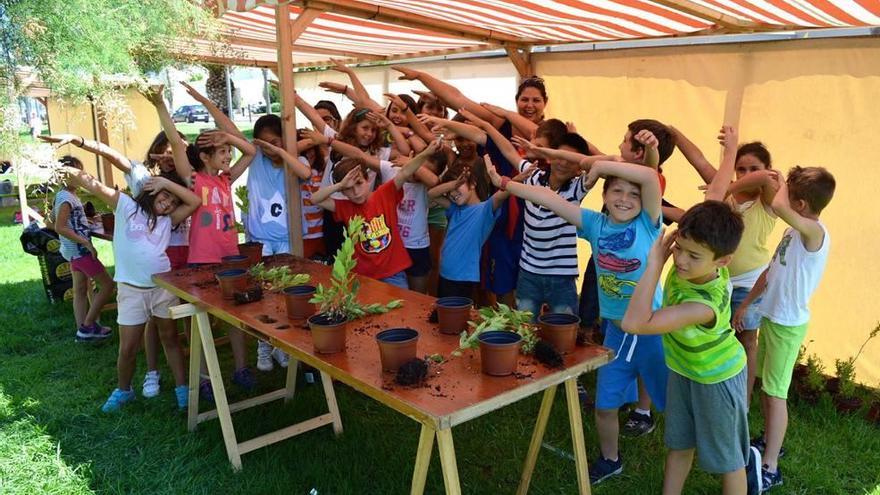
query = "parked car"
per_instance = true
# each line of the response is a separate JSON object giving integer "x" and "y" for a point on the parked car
{"x": 191, "y": 113}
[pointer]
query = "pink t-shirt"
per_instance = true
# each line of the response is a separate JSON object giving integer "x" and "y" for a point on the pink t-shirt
{"x": 212, "y": 233}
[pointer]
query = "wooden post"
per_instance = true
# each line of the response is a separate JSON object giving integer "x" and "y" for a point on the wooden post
{"x": 286, "y": 33}
{"x": 288, "y": 123}
{"x": 520, "y": 56}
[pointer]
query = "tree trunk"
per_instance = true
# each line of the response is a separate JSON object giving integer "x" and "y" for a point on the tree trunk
{"x": 215, "y": 86}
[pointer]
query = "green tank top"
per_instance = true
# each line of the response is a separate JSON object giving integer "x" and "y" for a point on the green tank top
{"x": 706, "y": 355}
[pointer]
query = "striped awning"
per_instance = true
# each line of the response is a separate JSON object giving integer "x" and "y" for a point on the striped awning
{"x": 352, "y": 30}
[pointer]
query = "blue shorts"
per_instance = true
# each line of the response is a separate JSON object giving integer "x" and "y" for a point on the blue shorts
{"x": 557, "y": 291}
{"x": 397, "y": 280}
{"x": 751, "y": 320}
{"x": 634, "y": 355}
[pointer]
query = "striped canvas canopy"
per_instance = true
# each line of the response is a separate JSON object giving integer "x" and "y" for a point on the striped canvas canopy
{"x": 352, "y": 30}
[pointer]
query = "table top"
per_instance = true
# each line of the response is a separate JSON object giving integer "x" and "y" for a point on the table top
{"x": 455, "y": 391}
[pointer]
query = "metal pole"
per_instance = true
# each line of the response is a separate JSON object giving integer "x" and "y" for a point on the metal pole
{"x": 266, "y": 93}
{"x": 230, "y": 111}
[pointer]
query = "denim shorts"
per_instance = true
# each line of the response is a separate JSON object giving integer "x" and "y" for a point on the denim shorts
{"x": 634, "y": 356}
{"x": 557, "y": 291}
{"x": 397, "y": 280}
{"x": 752, "y": 319}
{"x": 275, "y": 247}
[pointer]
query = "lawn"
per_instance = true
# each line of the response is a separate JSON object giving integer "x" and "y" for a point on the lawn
{"x": 54, "y": 439}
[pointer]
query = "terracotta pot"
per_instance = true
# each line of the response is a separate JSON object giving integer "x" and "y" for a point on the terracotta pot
{"x": 499, "y": 352}
{"x": 799, "y": 372}
{"x": 253, "y": 250}
{"x": 453, "y": 314}
{"x": 231, "y": 281}
{"x": 873, "y": 414}
{"x": 810, "y": 396}
{"x": 396, "y": 346}
{"x": 235, "y": 261}
{"x": 328, "y": 336}
{"x": 559, "y": 329}
{"x": 296, "y": 299}
{"x": 847, "y": 405}
{"x": 108, "y": 221}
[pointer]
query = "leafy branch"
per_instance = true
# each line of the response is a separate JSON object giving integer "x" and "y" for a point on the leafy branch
{"x": 501, "y": 318}
{"x": 278, "y": 278}
{"x": 338, "y": 300}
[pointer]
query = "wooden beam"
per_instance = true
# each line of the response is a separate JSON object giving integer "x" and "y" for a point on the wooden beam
{"x": 402, "y": 56}
{"x": 713, "y": 16}
{"x": 236, "y": 61}
{"x": 299, "y": 25}
{"x": 521, "y": 59}
{"x": 284, "y": 37}
{"x": 364, "y": 10}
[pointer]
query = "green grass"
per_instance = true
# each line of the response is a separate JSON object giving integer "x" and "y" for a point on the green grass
{"x": 54, "y": 439}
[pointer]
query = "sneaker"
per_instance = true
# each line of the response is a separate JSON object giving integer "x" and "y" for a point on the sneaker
{"x": 151, "y": 384}
{"x": 638, "y": 424}
{"x": 92, "y": 332}
{"x": 754, "y": 480}
{"x": 281, "y": 356}
{"x": 264, "y": 356}
{"x": 602, "y": 469}
{"x": 245, "y": 379}
{"x": 769, "y": 480}
{"x": 117, "y": 399}
{"x": 181, "y": 392}
{"x": 760, "y": 444}
{"x": 206, "y": 391}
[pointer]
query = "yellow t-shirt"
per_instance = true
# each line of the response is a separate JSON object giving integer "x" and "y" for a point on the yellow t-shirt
{"x": 752, "y": 252}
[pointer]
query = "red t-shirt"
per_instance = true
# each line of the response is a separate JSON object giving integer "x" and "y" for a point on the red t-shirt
{"x": 381, "y": 254}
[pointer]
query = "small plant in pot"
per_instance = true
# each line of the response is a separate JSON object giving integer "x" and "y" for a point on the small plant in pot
{"x": 337, "y": 302}
{"x": 846, "y": 400}
{"x": 498, "y": 352}
{"x": 814, "y": 382}
{"x": 800, "y": 367}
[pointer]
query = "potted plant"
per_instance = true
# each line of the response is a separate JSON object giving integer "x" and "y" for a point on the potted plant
{"x": 846, "y": 399}
{"x": 560, "y": 330}
{"x": 337, "y": 302}
{"x": 800, "y": 366}
{"x": 814, "y": 382}
{"x": 498, "y": 352}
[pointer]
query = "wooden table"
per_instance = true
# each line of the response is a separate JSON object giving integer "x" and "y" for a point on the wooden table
{"x": 455, "y": 392}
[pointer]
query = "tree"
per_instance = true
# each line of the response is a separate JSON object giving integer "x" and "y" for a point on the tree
{"x": 83, "y": 49}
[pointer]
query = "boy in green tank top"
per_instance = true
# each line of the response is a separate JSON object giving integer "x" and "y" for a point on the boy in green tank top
{"x": 706, "y": 409}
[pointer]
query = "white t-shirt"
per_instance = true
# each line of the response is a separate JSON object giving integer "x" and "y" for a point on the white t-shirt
{"x": 793, "y": 277}
{"x": 412, "y": 211}
{"x": 139, "y": 252}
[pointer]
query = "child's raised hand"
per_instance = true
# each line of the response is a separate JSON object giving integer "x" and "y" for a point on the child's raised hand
{"x": 380, "y": 120}
{"x": 155, "y": 184}
{"x": 212, "y": 138}
{"x": 728, "y": 138}
{"x": 316, "y": 137}
{"x": 192, "y": 91}
{"x": 662, "y": 248}
{"x": 407, "y": 73}
{"x": 333, "y": 87}
{"x": 526, "y": 145}
{"x": 58, "y": 140}
{"x": 265, "y": 145}
{"x": 593, "y": 176}
{"x": 570, "y": 127}
{"x": 494, "y": 176}
{"x": 164, "y": 161}
{"x": 340, "y": 67}
{"x": 153, "y": 93}
{"x": 395, "y": 100}
{"x": 470, "y": 116}
{"x": 647, "y": 138}
{"x": 350, "y": 178}
{"x": 737, "y": 321}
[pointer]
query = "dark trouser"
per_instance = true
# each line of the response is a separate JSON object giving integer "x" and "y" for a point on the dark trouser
{"x": 448, "y": 288}
{"x": 589, "y": 302}
{"x": 332, "y": 234}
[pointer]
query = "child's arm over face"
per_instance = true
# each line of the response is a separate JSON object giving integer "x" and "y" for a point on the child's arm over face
{"x": 506, "y": 147}
{"x": 310, "y": 113}
{"x": 810, "y": 230}
{"x": 189, "y": 202}
{"x": 645, "y": 177}
{"x": 641, "y": 319}
{"x": 89, "y": 183}
{"x": 764, "y": 180}
{"x": 298, "y": 168}
{"x": 539, "y": 195}
{"x": 413, "y": 164}
{"x": 717, "y": 188}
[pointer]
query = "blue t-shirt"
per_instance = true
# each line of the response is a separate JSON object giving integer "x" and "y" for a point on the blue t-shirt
{"x": 71, "y": 250}
{"x": 620, "y": 252}
{"x": 468, "y": 228}
{"x": 267, "y": 198}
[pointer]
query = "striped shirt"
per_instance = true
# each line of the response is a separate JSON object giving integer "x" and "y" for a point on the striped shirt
{"x": 549, "y": 242}
{"x": 312, "y": 216}
{"x": 703, "y": 354}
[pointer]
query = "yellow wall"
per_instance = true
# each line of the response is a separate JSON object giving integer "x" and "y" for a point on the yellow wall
{"x": 130, "y": 140}
{"x": 812, "y": 102}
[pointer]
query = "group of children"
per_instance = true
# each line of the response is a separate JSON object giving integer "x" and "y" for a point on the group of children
{"x": 488, "y": 202}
